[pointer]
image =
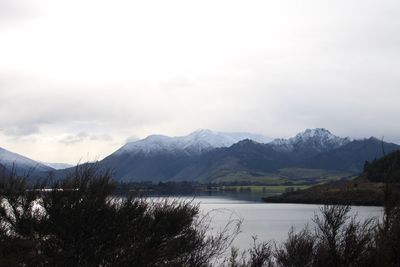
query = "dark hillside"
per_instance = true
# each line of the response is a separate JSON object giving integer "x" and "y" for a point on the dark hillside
{"x": 386, "y": 169}
{"x": 367, "y": 189}
{"x": 352, "y": 156}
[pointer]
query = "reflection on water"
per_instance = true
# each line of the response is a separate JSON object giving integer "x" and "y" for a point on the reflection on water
{"x": 264, "y": 220}
{"x": 220, "y": 196}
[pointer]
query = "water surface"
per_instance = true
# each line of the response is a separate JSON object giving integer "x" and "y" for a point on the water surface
{"x": 264, "y": 220}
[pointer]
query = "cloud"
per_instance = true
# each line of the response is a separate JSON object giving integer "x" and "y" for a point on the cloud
{"x": 279, "y": 69}
{"x": 21, "y": 130}
{"x": 31, "y": 103}
{"x": 74, "y": 138}
{"x": 132, "y": 139}
{"x": 13, "y": 12}
{"x": 102, "y": 137}
{"x": 71, "y": 139}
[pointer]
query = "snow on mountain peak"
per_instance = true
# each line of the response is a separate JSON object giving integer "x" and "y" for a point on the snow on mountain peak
{"x": 197, "y": 142}
{"x": 203, "y": 140}
{"x": 319, "y": 139}
{"x": 316, "y": 132}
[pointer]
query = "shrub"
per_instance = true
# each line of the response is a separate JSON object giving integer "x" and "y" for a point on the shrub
{"x": 79, "y": 223}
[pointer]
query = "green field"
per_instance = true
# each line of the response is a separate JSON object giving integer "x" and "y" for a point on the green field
{"x": 243, "y": 177}
{"x": 263, "y": 189}
{"x": 286, "y": 176}
{"x": 316, "y": 174}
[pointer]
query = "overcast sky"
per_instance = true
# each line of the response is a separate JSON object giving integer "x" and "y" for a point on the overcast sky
{"x": 80, "y": 77}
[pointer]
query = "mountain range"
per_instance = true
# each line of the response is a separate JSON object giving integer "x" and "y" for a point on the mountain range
{"x": 196, "y": 143}
{"x": 209, "y": 156}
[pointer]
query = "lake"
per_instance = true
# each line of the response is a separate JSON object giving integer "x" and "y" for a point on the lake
{"x": 264, "y": 220}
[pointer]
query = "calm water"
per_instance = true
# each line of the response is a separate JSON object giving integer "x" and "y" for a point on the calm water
{"x": 266, "y": 221}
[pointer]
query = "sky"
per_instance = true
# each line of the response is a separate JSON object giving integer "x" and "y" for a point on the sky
{"x": 78, "y": 79}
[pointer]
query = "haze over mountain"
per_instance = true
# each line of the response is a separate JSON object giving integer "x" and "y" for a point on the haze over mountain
{"x": 57, "y": 166}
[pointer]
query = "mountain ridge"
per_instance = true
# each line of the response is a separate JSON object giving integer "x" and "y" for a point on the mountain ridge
{"x": 22, "y": 165}
{"x": 318, "y": 139}
{"x": 209, "y": 156}
{"x": 197, "y": 142}
{"x": 307, "y": 148}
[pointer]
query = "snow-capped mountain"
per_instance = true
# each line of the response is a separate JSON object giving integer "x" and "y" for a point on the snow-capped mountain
{"x": 21, "y": 164}
{"x": 319, "y": 140}
{"x": 195, "y": 143}
{"x": 162, "y": 158}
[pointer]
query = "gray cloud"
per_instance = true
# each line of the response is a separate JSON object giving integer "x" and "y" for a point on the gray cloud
{"x": 21, "y": 130}
{"x": 283, "y": 67}
{"x": 74, "y": 138}
{"x": 102, "y": 137}
{"x": 14, "y": 12}
{"x": 83, "y": 136}
{"x": 56, "y": 105}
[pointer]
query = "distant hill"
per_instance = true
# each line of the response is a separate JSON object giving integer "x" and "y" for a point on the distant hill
{"x": 57, "y": 166}
{"x": 245, "y": 156}
{"x": 351, "y": 156}
{"x": 208, "y": 156}
{"x": 22, "y": 165}
{"x": 160, "y": 158}
{"x": 251, "y": 157}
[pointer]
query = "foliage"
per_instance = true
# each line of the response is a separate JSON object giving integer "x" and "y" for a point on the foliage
{"x": 297, "y": 250}
{"x": 338, "y": 240}
{"x": 387, "y": 167}
{"x": 79, "y": 223}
